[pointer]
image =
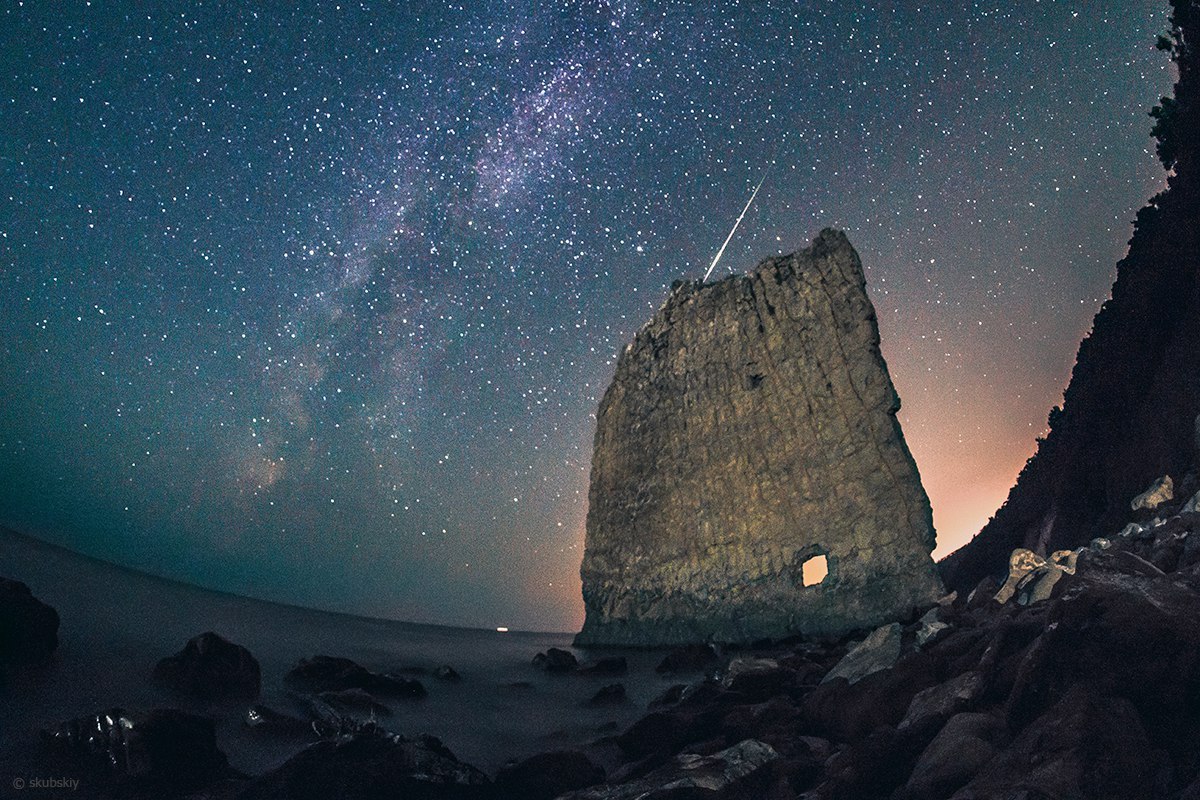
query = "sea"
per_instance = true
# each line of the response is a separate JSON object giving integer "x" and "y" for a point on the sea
{"x": 117, "y": 623}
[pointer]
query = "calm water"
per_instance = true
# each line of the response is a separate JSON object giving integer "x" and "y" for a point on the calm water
{"x": 116, "y": 624}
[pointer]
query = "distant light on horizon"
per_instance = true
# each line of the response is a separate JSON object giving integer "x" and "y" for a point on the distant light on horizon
{"x": 501, "y": 629}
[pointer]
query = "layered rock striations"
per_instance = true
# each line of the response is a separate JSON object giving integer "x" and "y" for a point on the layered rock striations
{"x": 750, "y": 427}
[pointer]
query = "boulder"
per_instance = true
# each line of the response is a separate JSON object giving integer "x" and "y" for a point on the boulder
{"x": 446, "y": 673}
{"x": 749, "y": 429}
{"x": 612, "y": 694}
{"x": 758, "y": 678}
{"x": 930, "y": 628}
{"x": 162, "y": 752}
{"x": 1085, "y": 745}
{"x": 965, "y": 744}
{"x": 210, "y": 667}
{"x": 28, "y": 627}
{"x": 878, "y": 651}
{"x": 547, "y": 775}
{"x": 556, "y": 660}
{"x": 1155, "y": 495}
{"x": 689, "y": 658}
{"x": 690, "y": 775}
{"x": 372, "y": 764}
{"x": 933, "y": 706}
{"x": 329, "y": 674}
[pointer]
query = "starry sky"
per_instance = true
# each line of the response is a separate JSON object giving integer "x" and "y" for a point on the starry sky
{"x": 315, "y": 301}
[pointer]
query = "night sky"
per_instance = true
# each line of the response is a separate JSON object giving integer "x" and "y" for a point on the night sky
{"x": 316, "y": 302}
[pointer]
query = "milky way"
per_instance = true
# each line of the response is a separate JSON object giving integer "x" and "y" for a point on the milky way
{"x": 316, "y": 303}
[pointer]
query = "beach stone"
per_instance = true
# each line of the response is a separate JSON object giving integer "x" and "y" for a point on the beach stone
{"x": 329, "y": 674}
{"x": 965, "y": 744}
{"x": 1155, "y": 495}
{"x": 556, "y": 660}
{"x": 610, "y": 695}
{"x": 447, "y": 673}
{"x": 930, "y": 627}
{"x": 370, "y": 765}
{"x": 877, "y": 652}
{"x": 690, "y": 775}
{"x": 750, "y": 427}
{"x": 547, "y": 775}
{"x": 210, "y": 667}
{"x": 158, "y": 753}
{"x": 28, "y": 627}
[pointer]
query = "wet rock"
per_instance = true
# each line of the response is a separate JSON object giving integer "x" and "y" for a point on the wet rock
{"x": 614, "y": 665}
{"x": 966, "y": 743}
{"x": 547, "y": 775}
{"x": 370, "y": 765}
{"x": 697, "y": 529}
{"x": 689, "y": 658}
{"x": 350, "y": 701}
{"x": 28, "y": 627}
{"x": 556, "y": 660}
{"x": 268, "y": 720}
{"x": 774, "y": 722}
{"x": 446, "y": 673}
{"x": 612, "y": 694}
{"x": 690, "y": 776}
{"x": 1155, "y": 495}
{"x": 758, "y": 678}
{"x": 329, "y": 674}
{"x": 163, "y": 751}
{"x": 878, "y": 651}
{"x": 210, "y": 667}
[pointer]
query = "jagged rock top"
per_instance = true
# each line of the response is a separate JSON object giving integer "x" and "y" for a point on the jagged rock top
{"x": 750, "y": 427}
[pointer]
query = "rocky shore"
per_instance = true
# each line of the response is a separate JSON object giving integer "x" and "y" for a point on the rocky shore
{"x": 1076, "y": 676}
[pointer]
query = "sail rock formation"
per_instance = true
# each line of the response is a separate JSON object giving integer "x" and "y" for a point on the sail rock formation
{"x": 751, "y": 426}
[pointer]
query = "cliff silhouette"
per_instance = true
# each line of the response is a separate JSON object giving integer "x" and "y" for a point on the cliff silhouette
{"x": 1130, "y": 412}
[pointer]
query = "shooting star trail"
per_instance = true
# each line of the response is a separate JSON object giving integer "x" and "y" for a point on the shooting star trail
{"x": 753, "y": 194}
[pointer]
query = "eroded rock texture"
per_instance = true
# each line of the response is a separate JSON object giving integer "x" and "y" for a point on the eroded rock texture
{"x": 751, "y": 426}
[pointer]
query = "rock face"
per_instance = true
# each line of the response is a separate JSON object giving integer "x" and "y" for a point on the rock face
{"x": 750, "y": 427}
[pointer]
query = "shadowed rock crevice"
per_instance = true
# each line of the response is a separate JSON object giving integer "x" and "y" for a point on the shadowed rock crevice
{"x": 751, "y": 426}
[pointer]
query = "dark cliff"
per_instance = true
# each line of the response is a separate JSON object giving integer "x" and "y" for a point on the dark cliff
{"x": 1129, "y": 414}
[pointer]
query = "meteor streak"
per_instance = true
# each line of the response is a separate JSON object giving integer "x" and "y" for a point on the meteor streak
{"x": 721, "y": 252}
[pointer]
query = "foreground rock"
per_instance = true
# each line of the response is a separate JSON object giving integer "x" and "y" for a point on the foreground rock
{"x": 28, "y": 627}
{"x": 370, "y": 765}
{"x": 692, "y": 775}
{"x": 750, "y": 427}
{"x": 159, "y": 753}
{"x": 210, "y": 667}
{"x": 1086, "y": 692}
{"x": 547, "y": 775}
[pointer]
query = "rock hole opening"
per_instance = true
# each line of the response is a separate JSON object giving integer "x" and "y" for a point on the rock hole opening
{"x": 814, "y": 570}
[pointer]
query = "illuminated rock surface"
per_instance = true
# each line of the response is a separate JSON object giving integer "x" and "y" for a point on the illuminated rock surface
{"x": 751, "y": 426}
